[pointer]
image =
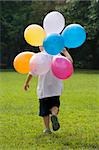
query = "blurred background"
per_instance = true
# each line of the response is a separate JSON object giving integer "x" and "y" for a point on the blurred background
{"x": 15, "y": 16}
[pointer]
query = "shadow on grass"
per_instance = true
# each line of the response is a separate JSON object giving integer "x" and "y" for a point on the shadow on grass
{"x": 86, "y": 71}
{"x": 63, "y": 141}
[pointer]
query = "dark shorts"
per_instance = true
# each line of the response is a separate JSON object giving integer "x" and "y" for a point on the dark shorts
{"x": 45, "y": 104}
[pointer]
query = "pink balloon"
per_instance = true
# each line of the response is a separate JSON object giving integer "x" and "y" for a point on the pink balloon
{"x": 61, "y": 67}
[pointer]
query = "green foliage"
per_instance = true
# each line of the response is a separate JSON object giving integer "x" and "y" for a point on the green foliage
{"x": 93, "y": 21}
{"x": 21, "y": 127}
{"x": 15, "y": 16}
{"x": 13, "y": 20}
{"x": 85, "y": 13}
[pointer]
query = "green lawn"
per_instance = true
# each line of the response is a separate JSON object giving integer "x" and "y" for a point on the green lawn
{"x": 21, "y": 127}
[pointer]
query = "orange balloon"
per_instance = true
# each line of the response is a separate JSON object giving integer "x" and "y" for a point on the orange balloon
{"x": 21, "y": 62}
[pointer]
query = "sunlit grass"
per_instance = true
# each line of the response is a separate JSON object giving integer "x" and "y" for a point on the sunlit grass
{"x": 21, "y": 127}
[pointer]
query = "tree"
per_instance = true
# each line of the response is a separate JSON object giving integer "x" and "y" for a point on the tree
{"x": 15, "y": 17}
{"x": 85, "y": 13}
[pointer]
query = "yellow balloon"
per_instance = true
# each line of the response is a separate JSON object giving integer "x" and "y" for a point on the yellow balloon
{"x": 21, "y": 62}
{"x": 34, "y": 35}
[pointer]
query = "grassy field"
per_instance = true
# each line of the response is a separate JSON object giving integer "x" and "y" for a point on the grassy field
{"x": 21, "y": 127}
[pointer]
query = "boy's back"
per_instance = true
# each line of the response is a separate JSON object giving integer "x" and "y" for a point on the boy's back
{"x": 49, "y": 85}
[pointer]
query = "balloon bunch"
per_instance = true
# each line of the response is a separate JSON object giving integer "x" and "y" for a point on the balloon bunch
{"x": 54, "y": 37}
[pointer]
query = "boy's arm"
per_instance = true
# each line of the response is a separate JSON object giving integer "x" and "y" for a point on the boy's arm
{"x": 26, "y": 84}
{"x": 65, "y": 52}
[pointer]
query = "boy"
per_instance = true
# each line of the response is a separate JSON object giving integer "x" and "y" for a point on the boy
{"x": 48, "y": 90}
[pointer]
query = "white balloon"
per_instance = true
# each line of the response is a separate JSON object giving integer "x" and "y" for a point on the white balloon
{"x": 40, "y": 63}
{"x": 54, "y": 22}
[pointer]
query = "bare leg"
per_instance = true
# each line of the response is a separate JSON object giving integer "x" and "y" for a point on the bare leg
{"x": 54, "y": 119}
{"x": 46, "y": 120}
{"x": 54, "y": 110}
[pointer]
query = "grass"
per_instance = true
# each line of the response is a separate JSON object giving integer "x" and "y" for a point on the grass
{"x": 21, "y": 127}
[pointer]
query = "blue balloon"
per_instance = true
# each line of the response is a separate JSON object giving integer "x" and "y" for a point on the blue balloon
{"x": 74, "y": 35}
{"x": 53, "y": 44}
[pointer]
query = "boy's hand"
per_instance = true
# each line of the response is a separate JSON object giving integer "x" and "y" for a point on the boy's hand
{"x": 26, "y": 86}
